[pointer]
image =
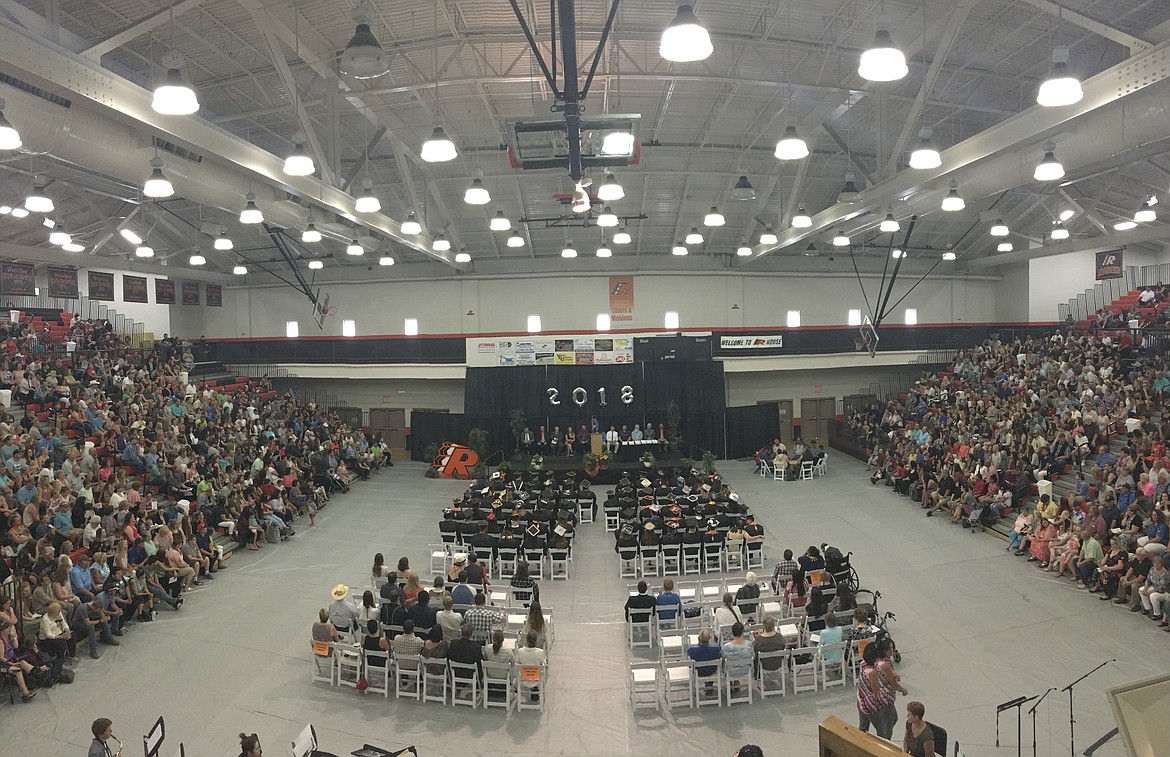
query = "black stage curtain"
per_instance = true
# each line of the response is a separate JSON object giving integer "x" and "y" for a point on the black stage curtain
{"x": 436, "y": 428}
{"x": 751, "y": 427}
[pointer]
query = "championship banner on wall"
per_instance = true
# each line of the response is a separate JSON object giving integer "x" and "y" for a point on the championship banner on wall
{"x": 214, "y": 296}
{"x": 621, "y": 298}
{"x": 63, "y": 283}
{"x": 1108, "y": 265}
{"x": 18, "y": 278}
{"x": 101, "y": 286}
{"x": 164, "y": 291}
{"x": 134, "y": 288}
{"x": 485, "y": 353}
{"x": 751, "y": 342}
{"x": 190, "y": 293}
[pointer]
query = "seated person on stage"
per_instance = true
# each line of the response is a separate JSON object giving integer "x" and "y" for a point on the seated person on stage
{"x": 612, "y": 440}
{"x": 541, "y": 440}
{"x": 648, "y": 433}
{"x": 640, "y": 606}
{"x": 668, "y": 603}
{"x": 582, "y": 439}
{"x": 555, "y": 441}
{"x": 527, "y": 440}
{"x": 570, "y": 441}
{"x": 624, "y": 434}
{"x": 636, "y": 434}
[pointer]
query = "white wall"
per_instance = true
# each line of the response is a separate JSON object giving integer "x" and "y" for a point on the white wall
{"x": 1059, "y": 278}
{"x": 488, "y": 305}
{"x": 155, "y": 318}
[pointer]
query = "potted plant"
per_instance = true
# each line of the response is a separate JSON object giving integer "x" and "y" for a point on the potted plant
{"x": 709, "y": 461}
{"x": 673, "y": 420}
{"x": 647, "y": 459}
{"x": 604, "y": 457}
{"x": 517, "y": 421}
{"x": 504, "y": 466}
{"x": 477, "y": 439}
{"x": 688, "y": 463}
{"x": 536, "y": 463}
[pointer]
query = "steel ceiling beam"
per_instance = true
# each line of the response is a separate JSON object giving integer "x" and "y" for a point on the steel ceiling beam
{"x": 136, "y": 30}
{"x": 9, "y": 251}
{"x": 1121, "y": 239}
{"x": 1133, "y": 44}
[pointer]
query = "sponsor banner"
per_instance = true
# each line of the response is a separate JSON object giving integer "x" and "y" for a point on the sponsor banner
{"x": 621, "y": 298}
{"x": 583, "y": 345}
{"x": 583, "y": 358}
{"x": 486, "y": 347}
{"x": 604, "y": 358}
{"x": 164, "y": 291}
{"x": 506, "y": 361}
{"x": 18, "y": 278}
{"x": 772, "y": 341}
{"x": 1108, "y": 265}
{"x": 507, "y": 352}
{"x": 214, "y": 296}
{"x": 525, "y": 348}
{"x": 63, "y": 283}
{"x": 565, "y": 358}
{"x": 525, "y": 358}
{"x": 190, "y": 293}
{"x": 101, "y": 286}
{"x": 544, "y": 345}
{"x": 133, "y": 288}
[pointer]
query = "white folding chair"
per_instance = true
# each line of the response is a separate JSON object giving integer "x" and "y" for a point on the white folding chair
{"x": 434, "y": 681}
{"x": 737, "y": 689}
{"x": 535, "y": 559}
{"x": 439, "y": 557}
{"x": 628, "y": 562}
{"x": 613, "y": 517}
{"x": 671, "y": 556}
{"x": 408, "y": 676}
{"x": 664, "y": 625}
{"x": 856, "y": 648}
{"x": 733, "y": 558}
{"x": 805, "y": 668}
{"x": 835, "y": 671}
{"x": 765, "y": 468}
{"x": 651, "y": 560}
{"x": 676, "y": 684}
{"x": 706, "y": 687}
{"x": 806, "y": 470}
{"x": 821, "y": 466}
{"x": 644, "y": 685}
{"x": 673, "y": 645}
{"x": 639, "y": 633}
{"x": 519, "y": 597}
{"x": 711, "y": 590}
{"x": 772, "y": 671}
{"x": 349, "y": 664}
{"x": 465, "y": 684}
{"x": 507, "y": 563}
{"x": 324, "y": 663}
{"x": 378, "y": 673}
{"x": 499, "y": 687}
{"x": 692, "y": 559}
{"x": 780, "y": 473}
{"x": 485, "y": 557}
{"x": 530, "y": 687}
{"x": 558, "y": 564}
{"x": 754, "y": 555}
{"x": 585, "y": 509}
{"x": 713, "y": 557}
{"x": 376, "y": 584}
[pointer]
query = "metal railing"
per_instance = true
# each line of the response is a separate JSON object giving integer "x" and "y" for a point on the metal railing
{"x": 1103, "y": 293}
{"x": 84, "y": 308}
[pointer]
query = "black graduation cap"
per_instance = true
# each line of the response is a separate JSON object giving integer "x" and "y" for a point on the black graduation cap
{"x": 563, "y": 514}
{"x": 628, "y": 513}
{"x": 692, "y": 522}
{"x": 533, "y": 530}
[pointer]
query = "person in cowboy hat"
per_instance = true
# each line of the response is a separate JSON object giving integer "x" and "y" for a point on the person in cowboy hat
{"x": 342, "y": 612}
{"x": 457, "y": 566}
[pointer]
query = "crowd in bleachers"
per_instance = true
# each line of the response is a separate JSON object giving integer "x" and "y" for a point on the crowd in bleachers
{"x": 981, "y": 440}
{"x": 123, "y": 480}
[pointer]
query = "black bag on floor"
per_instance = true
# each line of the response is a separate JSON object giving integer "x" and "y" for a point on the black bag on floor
{"x": 271, "y": 532}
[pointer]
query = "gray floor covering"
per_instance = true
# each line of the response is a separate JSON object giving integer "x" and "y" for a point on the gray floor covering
{"x": 975, "y": 625}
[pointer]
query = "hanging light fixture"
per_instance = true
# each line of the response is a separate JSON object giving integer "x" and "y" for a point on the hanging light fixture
{"x": 840, "y": 239}
{"x": 441, "y": 243}
{"x": 953, "y": 201}
{"x": 849, "y": 193}
{"x": 679, "y": 250}
{"x": 59, "y": 236}
{"x": 925, "y": 155}
{"x": 1145, "y": 214}
{"x": 298, "y": 162}
{"x": 694, "y": 237}
{"x": 196, "y": 259}
{"x": 999, "y": 228}
{"x": 1060, "y": 87}
{"x": 743, "y": 250}
{"x": 685, "y": 40}
{"x": 1059, "y": 231}
{"x": 791, "y": 146}
{"x": 310, "y": 234}
{"x": 603, "y": 251}
{"x": 767, "y": 236}
{"x": 1048, "y": 169}
{"x": 251, "y": 214}
{"x": 130, "y": 235}
{"x": 73, "y": 247}
{"x": 811, "y": 250}
{"x": 240, "y": 270}
{"x": 1125, "y": 225}
{"x": 37, "y": 201}
{"x": 743, "y": 190}
{"x": 223, "y": 241}
{"x": 948, "y": 255}
{"x": 499, "y": 222}
{"x": 316, "y": 265}
{"x": 515, "y": 240}
{"x": 9, "y": 136}
{"x": 802, "y": 220}
{"x": 610, "y": 190}
{"x": 158, "y": 185}
{"x": 366, "y": 201}
{"x": 363, "y": 57}
{"x": 1067, "y": 213}
{"x": 477, "y": 193}
{"x": 173, "y": 96}
{"x": 439, "y": 148}
{"x": 896, "y": 253}
{"x": 353, "y": 248}
{"x": 569, "y": 251}
{"x": 714, "y": 217}
{"x": 617, "y": 143}
{"x": 386, "y": 260}
{"x": 1004, "y": 247}
{"x": 889, "y": 224}
{"x": 20, "y": 212}
{"x": 144, "y": 251}
{"x": 607, "y": 218}
{"x": 411, "y": 225}
{"x": 882, "y": 61}
{"x": 622, "y": 236}
{"x": 580, "y": 202}
{"x": 463, "y": 257}
{"x": 5, "y": 210}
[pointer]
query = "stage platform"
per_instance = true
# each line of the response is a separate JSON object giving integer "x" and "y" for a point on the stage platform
{"x": 608, "y": 475}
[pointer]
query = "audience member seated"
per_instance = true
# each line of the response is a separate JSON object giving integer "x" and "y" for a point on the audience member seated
{"x": 640, "y": 607}
{"x": 668, "y": 604}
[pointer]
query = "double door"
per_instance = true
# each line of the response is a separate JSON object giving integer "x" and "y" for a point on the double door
{"x": 815, "y": 413}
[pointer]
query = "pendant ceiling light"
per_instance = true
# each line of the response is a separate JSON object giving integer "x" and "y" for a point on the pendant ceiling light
{"x": 743, "y": 190}
{"x": 223, "y": 241}
{"x": 411, "y": 225}
{"x": 743, "y": 250}
{"x": 130, "y": 235}
{"x": 499, "y": 222}
{"x": 316, "y": 265}
{"x": 73, "y": 247}
{"x": 569, "y": 251}
{"x": 610, "y": 190}
{"x": 144, "y": 251}
{"x": 298, "y": 162}
{"x": 1059, "y": 231}
{"x": 310, "y": 234}
{"x": 896, "y": 253}
{"x": 767, "y": 236}
{"x": 840, "y": 239}
{"x": 441, "y": 243}
{"x": 694, "y": 237}
{"x": 240, "y": 270}
{"x": 948, "y": 255}
{"x": 679, "y": 250}
{"x": 999, "y": 228}
{"x": 849, "y": 193}
{"x": 37, "y": 201}
{"x": 882, "y": 61}
{"x": 366, "y": 201}
{"x": 1004, "y": 247}
{"x": 607, "y": 218}
{"x": 173, "y": 96}
{"x": 603, "y": 251}
{"x": 19, "y": 212}
{"x": 1048, "y": 169}
{"x": 802, "y": 220}
{"x": 353, "y": 248}
{"x": 889, "y": 224}
{"x": 515, "y": 240}
{"x": 251, "y": 214}
{"x": 158, "y": 185}
{"x": 714, "y": 218}
{"x": 363, "y": 57}
{"x": 463, "y": 257}
{"x": 59, "y": 236}
{"x": 617, "y": 143}
{"x": 386, "y": 260}
{"x": 1125, "y": 225}
{"x": 953, "y": 201}
{"x": 9, "y": 136}
{"x": 791, "y": 146}
{"x": 1145, "y": 214}
{"x": 196, "y": 259}
{"x": 622, "y": 236}
{"x": 811, "y": 250}
{"x": 581, "y": 202}
{"x": 1060, "y": 87}
{"x": 477, "y": 193}
{"x": 925, "y": 155}
{"x": 439, "y": 148}
{"x": 685, "y": 40}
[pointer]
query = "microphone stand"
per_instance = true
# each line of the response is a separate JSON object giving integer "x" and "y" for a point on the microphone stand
{"x": 1032, "y": 712}
{"x": 1017, "y": 703}
{"x": 1072, "y": 721}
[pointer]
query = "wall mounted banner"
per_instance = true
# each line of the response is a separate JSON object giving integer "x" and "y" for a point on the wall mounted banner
{"x": 751, "y": 342}
{"x": 506, "y": 353}
{"x": 190, "y": 293}
{"x": 101, "y": 286}
{"x": 164, "y": 291}
{"x": 214, "y": 296}
{"x": 621, "y": 298}
{"x": 63, "y": 283}
{"x": 1109, "y": 265}
{"x": 18, "y": 278}
{"x": 134, "y": 288}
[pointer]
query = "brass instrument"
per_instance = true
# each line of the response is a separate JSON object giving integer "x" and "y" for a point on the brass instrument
{"x": 119, "y": 752}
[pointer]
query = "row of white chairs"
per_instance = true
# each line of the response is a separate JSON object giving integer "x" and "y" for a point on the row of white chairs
{"x": 806, "y": 472}
{"x": 503, "y": 565}
{"x": 659, "y": 560}
{"x": 506, "y": 685}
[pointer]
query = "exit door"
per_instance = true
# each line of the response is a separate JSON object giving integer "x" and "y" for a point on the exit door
{"x": 391, "y": 423}
{"x": 815, "y": 413}
{"x": 784, "y": 410}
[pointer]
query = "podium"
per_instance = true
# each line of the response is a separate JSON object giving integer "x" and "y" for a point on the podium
{"x": 596, "y": 443}
{"x": 839, "y": 739}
